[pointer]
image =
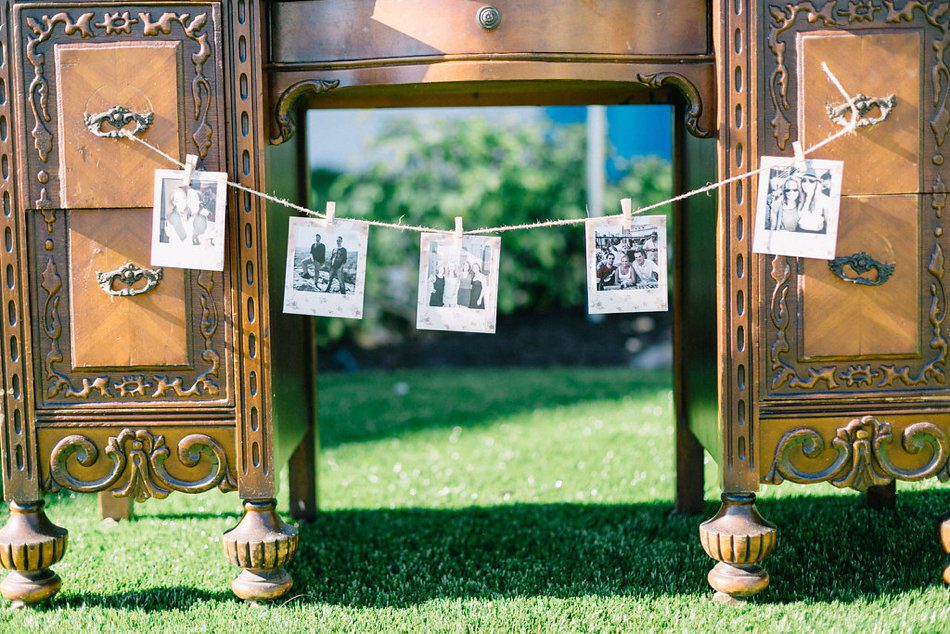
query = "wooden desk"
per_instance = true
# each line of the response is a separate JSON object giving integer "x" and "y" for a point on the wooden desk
{"x": 817, "y": 376}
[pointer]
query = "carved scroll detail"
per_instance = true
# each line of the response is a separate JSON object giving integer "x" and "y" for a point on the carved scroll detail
{"x": 38, "y": 89}
{"x": 140, "y": 457}
{"x": 693, "y": 99}
{"x": 200, "y": 87}
{"x": 204, "y": 382}
{"x": 284, "y": 110}
{"x": 779, "y": 314}
{"x": 782, "y": 19}
{"x": 863, "y": 457}
{"x": 52, "y": 283}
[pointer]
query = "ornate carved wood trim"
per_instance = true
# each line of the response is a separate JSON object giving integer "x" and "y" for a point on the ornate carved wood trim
{"x": 738, "y": 152}
{"x": 18, "y": 437}
{"x": 694, "y": 100}
{"x": 862, "y": 458}
{"x": 247, "y": 115}
{"x": 138, "y": 465}
{"x": 284, "y": 111}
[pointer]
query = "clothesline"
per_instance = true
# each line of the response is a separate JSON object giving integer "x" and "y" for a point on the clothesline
{"x": 800, "y": 154}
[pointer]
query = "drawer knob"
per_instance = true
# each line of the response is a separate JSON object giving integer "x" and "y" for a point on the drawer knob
{"x": 488, "y": 17}
{"x": 861, "y": 263}
{"x": 841, "y": 113}
{"x": 127, "y": 275}
{"x": 117, "y": 117}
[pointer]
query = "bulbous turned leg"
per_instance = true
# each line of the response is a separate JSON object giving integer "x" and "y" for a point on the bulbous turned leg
{"x": 262, "y": 544}
{"x": 945, "y": 538}
{"x": 29, "y": 545}
{"x": 739, "y": 539}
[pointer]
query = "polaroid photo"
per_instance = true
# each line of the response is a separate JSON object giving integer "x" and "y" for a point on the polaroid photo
{"x": 326, "y": 267}
{"x": 797, "y": 208}
{"x": 188, "y": 220}
{"x": 626, "y": 269}
{"x": 458, "y": 283}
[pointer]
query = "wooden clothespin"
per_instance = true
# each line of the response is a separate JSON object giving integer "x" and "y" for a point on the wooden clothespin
{"x": 458, "y": 227}
{"x": 626, "y": 205}
{"x": 799, "y": 155}
{"x": 330, "y": 212}
{"x": 191, "y": 163}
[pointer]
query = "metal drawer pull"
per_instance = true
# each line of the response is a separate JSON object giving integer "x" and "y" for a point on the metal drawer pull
{"x": 488, "y": 17}
{"x": 841, "y": 114}
{"x": 129, "y": 274}
{"x": 118, "y": 117}
{"x": 861, "y": 263}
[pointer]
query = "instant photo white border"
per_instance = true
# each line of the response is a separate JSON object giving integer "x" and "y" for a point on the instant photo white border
{"x": 317, "y": 304}
{"x": 627, "y": 300}
{"x": 196, "y": 257}
{"x": 820, "y": 246}
{"x": 454, "y": 318}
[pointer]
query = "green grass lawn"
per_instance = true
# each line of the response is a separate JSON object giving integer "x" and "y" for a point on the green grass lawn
{"x": 504, "y": 500}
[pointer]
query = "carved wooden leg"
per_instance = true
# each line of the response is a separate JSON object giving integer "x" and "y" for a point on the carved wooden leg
{"x": 303, "y": 479}
{"x": 739, "y": 539}
{"x": 113, "y": 508}
{"x": 29, "y": 545}
{"x": 883, "y": 497}
{"x": 261, "y": 544}
{"x": 945, "y": 538}
{"x": 689, "y": 472}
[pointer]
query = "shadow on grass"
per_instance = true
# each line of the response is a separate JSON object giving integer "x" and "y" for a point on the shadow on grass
{"x": 361, "y": 407}
{"x": 830, "y": 549}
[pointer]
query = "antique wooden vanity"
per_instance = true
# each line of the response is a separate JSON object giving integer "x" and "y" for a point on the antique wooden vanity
{"x": 124, "y": 380}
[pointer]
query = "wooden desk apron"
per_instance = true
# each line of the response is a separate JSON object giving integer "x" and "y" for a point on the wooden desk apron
{"x": 124, "y": 380}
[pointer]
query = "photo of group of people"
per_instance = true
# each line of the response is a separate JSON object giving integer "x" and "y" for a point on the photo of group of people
{"x": 797, "y": 211}
{"x": 188, "y": 220}
{"x": 326, "y": 267}
{"x": 458, "y": 283}
{"x": 627, "y": 262}
{"x": 626, "y": 267}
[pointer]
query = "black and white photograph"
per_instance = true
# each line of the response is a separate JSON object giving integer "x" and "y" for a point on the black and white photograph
{"x": 326, "y": 267}
{"x": 458, "y": 283}
{"x": 188, "y": 220}
{"x": 797, "y": 208}
{"x": 626, "y": 268}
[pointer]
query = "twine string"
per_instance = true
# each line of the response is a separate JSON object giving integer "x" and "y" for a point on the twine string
{"x": 848, "y": 129}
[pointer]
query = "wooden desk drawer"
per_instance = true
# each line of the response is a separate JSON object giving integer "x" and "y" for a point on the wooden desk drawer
{"x": 158, "y": 61}
{"x": 110, "y": 329}
{"x": 883, "y": 65}
{"x": 836, "y": 336}
{"x": 317, "y": 31}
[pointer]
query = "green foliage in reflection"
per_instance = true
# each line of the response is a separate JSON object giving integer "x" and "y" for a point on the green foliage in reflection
{"x": 491, "y": 172}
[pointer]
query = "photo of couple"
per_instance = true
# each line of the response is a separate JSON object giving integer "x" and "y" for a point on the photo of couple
{"x": 312, "y": 267}
{"x": 797, "y": 210}
{"x": 188, "y": 220}
{"x": 627, "y": 268}
{"x": 458, "y": 283}
{"x": 326, "y": 267}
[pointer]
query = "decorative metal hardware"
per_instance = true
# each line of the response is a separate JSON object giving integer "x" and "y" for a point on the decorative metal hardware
{"x": 841, "y": 114}
{"x": 863, "y": 455}
{"x": 861, "y": 263}
{"x": 488, "y": 18}
{"x": 118, "y": 117}
{"x": 129, "y": 274}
